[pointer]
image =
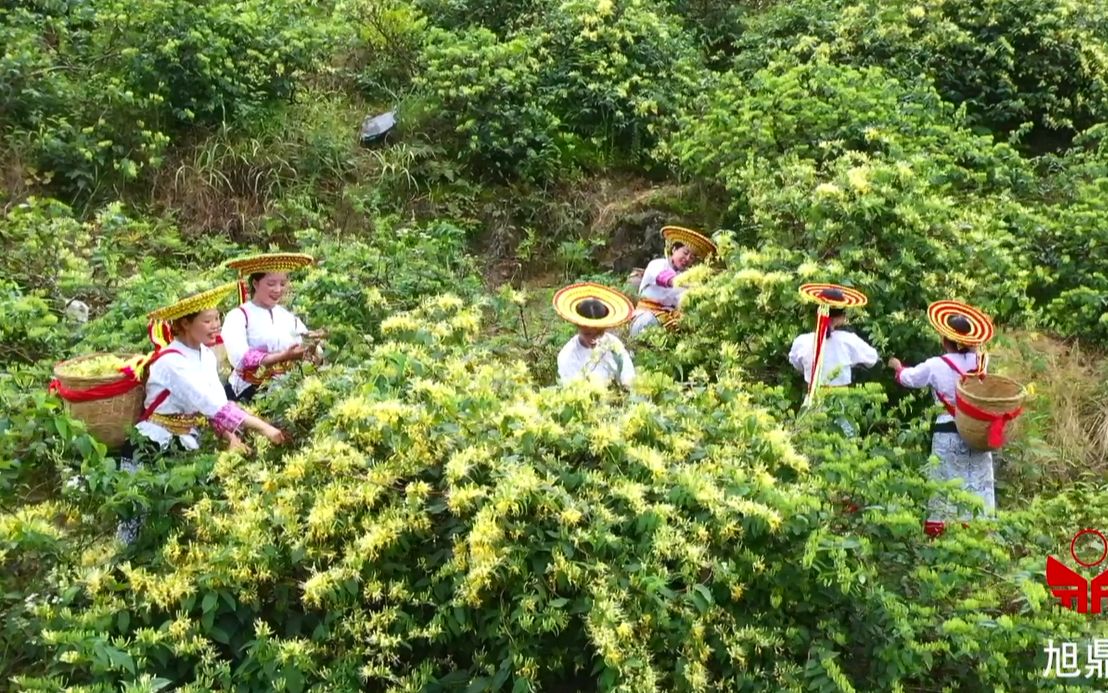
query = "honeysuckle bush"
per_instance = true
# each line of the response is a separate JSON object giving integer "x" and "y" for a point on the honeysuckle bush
{"x": 581, "y": 85}
{"x": 750, "y": 308}
{"x": 443, "y": 523}
{"x": 1069, "y": 245}
{"x": 53, "y": 254}
{"x": 819, "y": 112}
{"x": 840, "y": 174}
{"x": 1042, "y": 63}
{"x": 359, "y": 282}
{"x": 847, "y": 167}
{"x": 484, "y": 93}
{"x": 623, "y": 70}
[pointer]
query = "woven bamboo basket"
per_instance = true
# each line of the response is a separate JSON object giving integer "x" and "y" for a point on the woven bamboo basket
{"x": 995, "y": 394}
{"x": 109, "y": 420}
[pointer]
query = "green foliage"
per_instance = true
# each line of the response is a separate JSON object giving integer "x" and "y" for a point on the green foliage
{"x": 445, "y": 524}
{"x": 38, "y": 441}
{"x": 716, "y": 24}
{"x": 1008, "y": 62}
{"x": 1070, "y": 246}
{"x": 485, "y": 94}
{"x": 30, "y": 329}
{"x": 835, "y": 170}
{"x": 622, "y": 71}
{"x": 589, "y": 83}
{"x": 248, "y": 176}
{"x": 359, "y": 284}
{"x": 386, "y": 42}
{"x": 446, "y": 521}
{"x": 40, "y": 446}
{"x": 499, "y": 17}
{"x": 821, "y": 112}
{"x": 100, "y": 92}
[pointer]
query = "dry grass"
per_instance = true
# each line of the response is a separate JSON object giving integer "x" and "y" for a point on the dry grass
{"x": 233, "y": 178}
{"x": 17, "y": 180}
{"x": 1063, "y": 435}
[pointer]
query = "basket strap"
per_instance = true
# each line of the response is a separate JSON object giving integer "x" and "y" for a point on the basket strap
{"x": 149, "y": 411}
{"x": 939, "y": 396}
{"x": 164, "y": 394}
{"x": 946, "y": 403}
{"x": 997, "y": 422}
{"x": 953, "y": 366}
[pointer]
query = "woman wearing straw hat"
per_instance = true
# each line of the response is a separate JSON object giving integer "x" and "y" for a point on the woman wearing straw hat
{"x": 183, "y": 390}
{"x": 826, "y": 356}
{"x": 658, "y": 297}
{"x": 263, "y": 338}
{"x": 593, "y": 352}
{"x": 963, "y": 330}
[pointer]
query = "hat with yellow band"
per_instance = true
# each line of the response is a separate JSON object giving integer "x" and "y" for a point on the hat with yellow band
{"x": 833, "y": 295}
{"x": 267, "y": 262}
{"x": 270, "y": 262}
{"x": 700, "y": 244}
{"x": 587, "y": 304}
{"x": 960, "y": 323}
{"x": 158, "y": 329}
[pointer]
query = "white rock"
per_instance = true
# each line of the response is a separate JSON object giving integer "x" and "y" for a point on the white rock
{"x": 76, "y": 311}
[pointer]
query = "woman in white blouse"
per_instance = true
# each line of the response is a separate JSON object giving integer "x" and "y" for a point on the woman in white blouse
{"x": 183, "y": 390}
{"x": 658, "y": 297}
{"x": 842, "y": 349}
{"x": 263, "y": 339}
{"x": 594, "y": 353}
{"x": 831, "y": 361}
{"x": 963, "y": 330}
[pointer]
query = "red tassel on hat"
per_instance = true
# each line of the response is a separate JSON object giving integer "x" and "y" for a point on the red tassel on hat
{"x": 933, "y": 528}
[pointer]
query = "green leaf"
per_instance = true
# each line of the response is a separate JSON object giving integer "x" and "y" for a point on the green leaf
{"x": 478, "y": 685}
{"x": 120, "y": 659}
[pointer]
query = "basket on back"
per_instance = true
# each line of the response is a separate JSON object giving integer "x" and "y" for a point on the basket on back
{"x": 984, "y": 407}
{"x": 108, "y": 404}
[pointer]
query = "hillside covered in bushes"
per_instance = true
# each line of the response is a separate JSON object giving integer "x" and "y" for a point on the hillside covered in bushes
{"x": 446, "y": 517}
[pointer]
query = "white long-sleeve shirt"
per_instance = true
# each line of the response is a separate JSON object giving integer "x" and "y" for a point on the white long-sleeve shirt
{"x": 842, "y": 351}
{"x": 650, "y": 289}
{"x": 192, "y": 378}
{"x": 603, "y": 363}
{"x": 937, "y": 374}
{"x": 253, "y": 328}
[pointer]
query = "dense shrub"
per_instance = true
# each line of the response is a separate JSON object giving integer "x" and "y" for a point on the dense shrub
{"x": 749, "y": 127}
{"x": 358, "y": 284}
{"x": 100, "y": 87}
{"x": 622, "y": 69}
{"x": 1068, "y": 238}
{"x": 385, "y": 42}
{"x": 30, "y": 329}
{"x": 588, "y": 84}
{"x": 443, "y": 520}
{"x": 499, "y": 17}
{"x": 504, "y": 535}
{"x": 1009, "y": 63}
{"x": 486, "y": 95}
{"x": 832, "y": 171}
